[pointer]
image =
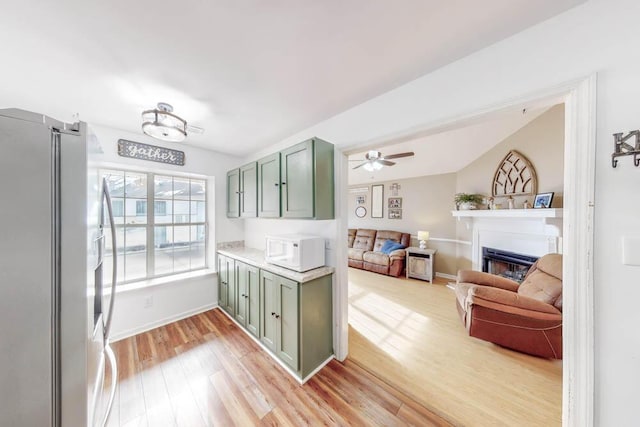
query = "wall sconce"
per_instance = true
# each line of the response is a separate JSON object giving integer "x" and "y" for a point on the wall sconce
{"x": 423, "y": 236}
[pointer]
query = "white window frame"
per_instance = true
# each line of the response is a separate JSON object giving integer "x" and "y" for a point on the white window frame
{"x": 151, "y": 224}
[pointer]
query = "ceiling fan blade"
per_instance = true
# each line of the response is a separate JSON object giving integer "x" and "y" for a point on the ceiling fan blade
{"x": 385, "y": 162}
{"x": 398, "y": 155}
{"x": 360, "y": 165}
{"x": 357, "y": 160}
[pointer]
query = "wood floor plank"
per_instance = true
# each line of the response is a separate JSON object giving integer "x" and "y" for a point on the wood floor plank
{"x": 361, "y": 382}
{"x": 156, "y": 395}
{"x": 358, "y": 399}
{"x": 205, "y": 371}
{"x": 233, "y": 400}
{"x": 131, "y": 403}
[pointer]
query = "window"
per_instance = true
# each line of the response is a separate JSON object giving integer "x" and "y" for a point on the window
{"x": 141, "y": 207}
{"x": 169, "y": 239}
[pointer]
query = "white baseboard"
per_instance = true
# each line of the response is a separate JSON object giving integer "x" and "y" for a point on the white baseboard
{"x": 152, "y": 325}
{"x": 446, "y": 276}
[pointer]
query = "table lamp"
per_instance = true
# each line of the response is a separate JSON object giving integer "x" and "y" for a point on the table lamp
{"x": 423, "y": 236}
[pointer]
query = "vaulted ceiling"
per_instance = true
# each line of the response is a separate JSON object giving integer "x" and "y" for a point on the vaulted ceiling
{"x": 250, "y": 72}
{"x": 447, "y": 151}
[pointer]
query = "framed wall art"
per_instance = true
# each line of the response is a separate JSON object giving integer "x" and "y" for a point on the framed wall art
{"x": 394, "y": 203}
{"x": 377, "y": 200}
{"x": 395, "y": 213}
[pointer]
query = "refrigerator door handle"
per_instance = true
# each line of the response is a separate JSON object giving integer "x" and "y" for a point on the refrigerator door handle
{"x": 107, "y": 198}
{"x": 114, "y": 381}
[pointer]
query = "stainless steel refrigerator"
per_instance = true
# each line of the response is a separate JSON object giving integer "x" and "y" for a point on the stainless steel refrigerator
{"x": 55, "y": 312}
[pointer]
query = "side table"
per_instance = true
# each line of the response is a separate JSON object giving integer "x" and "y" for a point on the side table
{"x": 420, "y": 263}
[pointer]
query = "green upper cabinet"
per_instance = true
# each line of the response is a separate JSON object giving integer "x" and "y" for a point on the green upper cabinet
{"x": 248, "y": 191}
{"x": 233, "y": 193}
{"x": 297, "y": 182}
{"x": 306, "y": 180}
{"x": 269, "y": 186}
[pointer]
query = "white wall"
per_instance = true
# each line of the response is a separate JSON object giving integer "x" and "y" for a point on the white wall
{"x": 176, "y": 299}
{"x": 600, "y": 36}
{"x": 427, "y": 202}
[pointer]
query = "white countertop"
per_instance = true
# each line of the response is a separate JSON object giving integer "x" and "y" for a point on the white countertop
{"x": 255, "y": 257}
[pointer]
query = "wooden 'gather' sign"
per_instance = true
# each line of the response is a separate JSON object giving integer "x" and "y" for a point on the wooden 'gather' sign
{"x": 153, "y": 153}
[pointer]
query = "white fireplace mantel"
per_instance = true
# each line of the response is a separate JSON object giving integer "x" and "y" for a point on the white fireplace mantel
{"x": 527, "y": 231}
{"x": 509, "y": 213}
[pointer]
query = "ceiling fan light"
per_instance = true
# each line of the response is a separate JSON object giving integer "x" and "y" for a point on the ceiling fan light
{"x": 377, "y": 166}
{"x": 368, "y": 167}
{"x": 161, "y": 123}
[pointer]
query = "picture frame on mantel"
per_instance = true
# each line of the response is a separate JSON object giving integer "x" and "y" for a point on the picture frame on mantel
{"x": 377, "y": 201}
{"x": 543, "y": 200}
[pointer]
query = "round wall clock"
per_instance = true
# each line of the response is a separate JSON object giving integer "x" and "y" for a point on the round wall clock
{"x": 361, "y": 211}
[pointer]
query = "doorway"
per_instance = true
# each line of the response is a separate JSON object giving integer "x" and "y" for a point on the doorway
{"x": 579, "y": 98}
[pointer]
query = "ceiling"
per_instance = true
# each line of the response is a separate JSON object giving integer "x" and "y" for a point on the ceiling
{"x": 250, "y": 72}
{"x": 448, "y": 151}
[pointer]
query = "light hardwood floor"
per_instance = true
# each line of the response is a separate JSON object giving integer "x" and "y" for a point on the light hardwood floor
{"x": 409, "y": 334}
{"x": 204, "y": 371}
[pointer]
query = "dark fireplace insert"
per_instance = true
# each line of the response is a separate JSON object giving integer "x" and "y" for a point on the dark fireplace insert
{"x": 511, "y": 265}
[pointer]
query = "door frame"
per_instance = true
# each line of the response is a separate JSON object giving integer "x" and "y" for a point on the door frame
{"x": 578, "y": 374}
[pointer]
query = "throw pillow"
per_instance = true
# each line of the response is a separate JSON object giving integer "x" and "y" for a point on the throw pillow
{"x": 390, "y": 246}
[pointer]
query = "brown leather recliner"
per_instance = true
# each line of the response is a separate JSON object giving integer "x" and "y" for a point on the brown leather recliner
{"x": 525, "y": 317}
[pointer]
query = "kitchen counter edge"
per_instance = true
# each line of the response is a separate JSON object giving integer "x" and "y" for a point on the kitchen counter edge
{"x": 255, "y": 257}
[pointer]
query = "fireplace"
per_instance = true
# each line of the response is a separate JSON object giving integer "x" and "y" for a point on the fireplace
{"x": 507, "y": 264}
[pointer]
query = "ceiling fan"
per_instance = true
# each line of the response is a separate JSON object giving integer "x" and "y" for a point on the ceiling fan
{"x": 374, "y": 160}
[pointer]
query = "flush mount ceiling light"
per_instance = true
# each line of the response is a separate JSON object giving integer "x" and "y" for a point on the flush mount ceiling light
{"x": 161, "y": 123}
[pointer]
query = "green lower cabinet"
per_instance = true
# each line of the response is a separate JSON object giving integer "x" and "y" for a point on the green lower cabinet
{"x": 287, "y": 318}
{"x": 297, "y": 320}
{"x": 294, "y": 321}
{"x": 248, "y": 297}
{"x": 268, "y": 309}
{"x": 280, "y": 317}
{"x": 226, "y": 284}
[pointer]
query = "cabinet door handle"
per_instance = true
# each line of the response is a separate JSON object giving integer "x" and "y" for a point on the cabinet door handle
{"x": 246, "y": 296}
{"x": 284, "y": 183}
{"x": 276, "y": 184}
{"x": 272, "y": 313}
{"x": 277, "y": 316}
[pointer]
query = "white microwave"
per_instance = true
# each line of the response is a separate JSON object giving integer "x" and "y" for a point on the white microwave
{"x": 299, "y": 252}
